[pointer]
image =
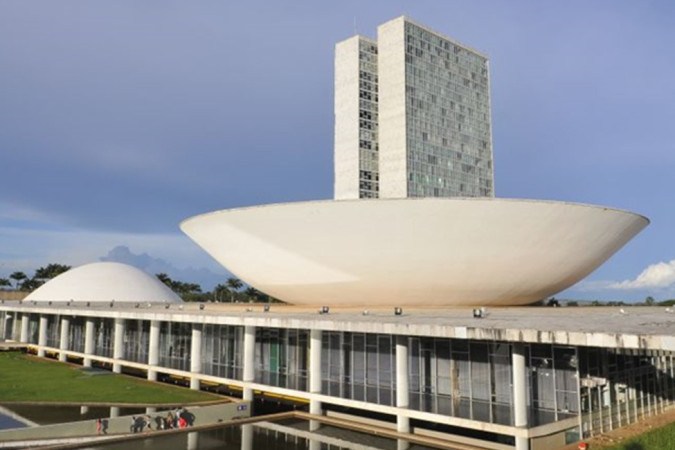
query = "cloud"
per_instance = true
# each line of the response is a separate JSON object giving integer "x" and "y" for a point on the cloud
{"x": 659, "y": 275}
{"x": 206, "y": 278}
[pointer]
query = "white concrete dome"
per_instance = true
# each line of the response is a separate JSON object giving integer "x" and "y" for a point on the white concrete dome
{"x": 103, "y": 282}
{"x": 415, "y": 251}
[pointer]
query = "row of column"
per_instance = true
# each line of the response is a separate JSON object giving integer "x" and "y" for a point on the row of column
{"x": 402, "y": 369}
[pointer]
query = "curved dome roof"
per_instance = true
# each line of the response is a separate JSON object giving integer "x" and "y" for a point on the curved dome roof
{"x": 103, "y": 282}
{"x": 414, "y": 251}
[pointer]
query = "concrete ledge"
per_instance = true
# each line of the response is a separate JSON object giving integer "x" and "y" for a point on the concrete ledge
{"x": 203, "y": 415}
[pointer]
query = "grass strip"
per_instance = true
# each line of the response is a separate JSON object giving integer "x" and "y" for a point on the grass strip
{"x": 29, "y": 379}
{"x": 661, "y": 438}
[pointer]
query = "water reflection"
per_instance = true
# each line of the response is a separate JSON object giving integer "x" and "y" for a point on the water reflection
{"x": 292, "y": 434}
{"x": 286, "y": 435}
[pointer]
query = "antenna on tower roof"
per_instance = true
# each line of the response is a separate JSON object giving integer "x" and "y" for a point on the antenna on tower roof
{"x": 356, "y": 31}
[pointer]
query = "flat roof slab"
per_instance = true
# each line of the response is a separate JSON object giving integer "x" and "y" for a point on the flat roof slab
{"x": 627, "y": 327}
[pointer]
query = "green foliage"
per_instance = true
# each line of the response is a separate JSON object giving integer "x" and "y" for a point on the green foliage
{"x": 572, "y": 303}
{"x": 659, "y": 438}
{"x": 50, "y": 271}
{"x": 649, "y": 301}
{"x": 25, "y": 378}
{"x": 4, "y": 282}
{"x": 179, "y": 287}
{"x": 667, "y": 302}
{"x": 19, "y": 278}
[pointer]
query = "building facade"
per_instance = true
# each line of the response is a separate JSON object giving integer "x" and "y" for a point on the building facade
{"x": 412, "y": 116}
{"x": 478, "y": 385}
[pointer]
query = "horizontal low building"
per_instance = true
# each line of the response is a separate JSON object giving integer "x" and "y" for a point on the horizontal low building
{"x": 526, "y": 377}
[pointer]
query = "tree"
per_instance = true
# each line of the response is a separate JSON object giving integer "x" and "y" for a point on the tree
{"x": 234, "y": 284}
{"x": 186, "y": 290}
{"x": 649, "y": 301}
{"x": 31, "y": 284}
{"x": 252, "y": 293}
{"x": 19, "y": 278}
{"x": 164, "y": 278}
{"x": 50, "y": 271}
{"x": 572, "y": 303}
{"x": 5, "y": 282}
{"x": 219, "y": 291}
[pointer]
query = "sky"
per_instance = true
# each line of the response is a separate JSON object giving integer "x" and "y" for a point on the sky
{"x": 120, "y": 119}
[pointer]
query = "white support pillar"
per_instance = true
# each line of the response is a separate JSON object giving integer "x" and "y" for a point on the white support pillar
{"x": 63, "y": 341}
{"x": 195, "y": 356}
{"x": 88, "y": 341}
{"x": 249, "y": 361}
{"x": 519, "y": 394}
{"x": 402, "y": 389}
{"x": 315, "y": 337}
{"x": 42, "y": 336}
{"x": 118, "y": 344}
{"x": 25, "y": 321}
{"x": 246, "y": 437}
{"x": 153, "y": 350}
{"x": 193, "y": 441}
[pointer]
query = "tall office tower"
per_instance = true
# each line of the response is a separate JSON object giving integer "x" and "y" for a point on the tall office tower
{"x": 431, "y": 134}
{"x": 356, "y": 146}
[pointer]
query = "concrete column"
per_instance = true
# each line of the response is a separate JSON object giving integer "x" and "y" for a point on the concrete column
{"x": 63, "y": 341}
{"x": 196, "y": 356}
{"x": 193, "y": 441}
{"x": 153, "y": 350}
{"x": 42, "y": 336}
{"x": 249, "y": 362}
{"x": 315, "y": 375}
{"x": 114, "y": 411}
{"x": 118, "y": 346}
{"x": 25, "y": 320}
{"x": 247, "y": 437}
{"x": 88, "y": 341}
{"x": 402, "y": 389}
{"x": 519, "y": 394}
{"x": 84, "y": 410}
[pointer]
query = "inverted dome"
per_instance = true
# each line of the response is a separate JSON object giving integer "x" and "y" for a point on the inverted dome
{"x": 103, "y": 282}
{"x": 415, "y": 251}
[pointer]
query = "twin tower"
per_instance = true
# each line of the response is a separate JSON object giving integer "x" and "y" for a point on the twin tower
{"x": 412, "y": 116}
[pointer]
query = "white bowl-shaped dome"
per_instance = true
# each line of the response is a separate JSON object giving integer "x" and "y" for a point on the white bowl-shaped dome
{"x": 423, "y": 252}
{"x": 103, "y": 282}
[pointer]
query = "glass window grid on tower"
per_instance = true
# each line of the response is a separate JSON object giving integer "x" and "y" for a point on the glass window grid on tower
{"x": 447, "y": 118}
{"x": 368, "y": 128}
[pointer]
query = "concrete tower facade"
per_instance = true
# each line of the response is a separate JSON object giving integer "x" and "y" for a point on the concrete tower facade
{"x": 431, "y": 133}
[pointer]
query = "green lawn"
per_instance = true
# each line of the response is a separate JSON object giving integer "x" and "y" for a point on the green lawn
{"x": 657, "y": 439}
{"x": 29, "y": 379}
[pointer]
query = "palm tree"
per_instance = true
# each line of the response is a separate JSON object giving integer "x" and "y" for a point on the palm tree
{"x": 18, "y": 278}
{"x": 219, "y": 291}
{"x": 252, "y": 293}
{"x": 51, "y": 271}
{"x": 235, "y": 284}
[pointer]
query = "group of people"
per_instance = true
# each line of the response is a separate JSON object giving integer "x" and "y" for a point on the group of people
{"x": 180, "y": 418}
